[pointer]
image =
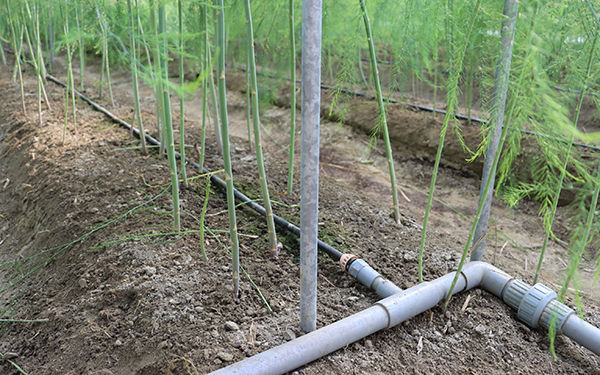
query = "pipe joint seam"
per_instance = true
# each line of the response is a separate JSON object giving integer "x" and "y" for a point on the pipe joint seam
{"x": 492, "y": 279}
{"x": 504, "y": 287}
{"x": 388, "y": 314}
{"x": 411, "y": 302}
{"x": 366, "y": 275}
{"x": 466, "y": 287}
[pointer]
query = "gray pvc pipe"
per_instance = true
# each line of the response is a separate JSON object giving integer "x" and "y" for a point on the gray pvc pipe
{"x": 314, "y": 345}
{"x": 309, "y": 164}
{"x": 399, "y": 307}
{"x": 384, "y": 314}
{"x": 582, "y": 332}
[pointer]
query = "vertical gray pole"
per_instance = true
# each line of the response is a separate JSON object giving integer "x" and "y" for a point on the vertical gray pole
{"x": 309, "y": 163}
{"x": 507, "y": 35}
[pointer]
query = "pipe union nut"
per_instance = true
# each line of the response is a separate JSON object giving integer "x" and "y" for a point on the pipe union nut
{"x": 557, "y": 311}
{"x": 533, "y": 304}
{"x": 514, "y": 292}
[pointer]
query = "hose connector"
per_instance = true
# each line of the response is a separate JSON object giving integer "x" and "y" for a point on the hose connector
{"x": 366, "y": 275}
{"x": 346, "y": 260}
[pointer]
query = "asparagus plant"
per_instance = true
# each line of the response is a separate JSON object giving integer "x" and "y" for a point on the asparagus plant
{"x": 70, "y": 89}
{"x": 181, "y": 94}
{"x": 262, "y": 176}
{"x": 81, "y": 47}
{"x": 580, "y": 242}
{"x": 217, "y": 119}
{"x": 292, "y": 146}
{"x": 235, "y": 249}
{"x": 158, "y": 75}
{"x": 105, "y": 58}
{"x": 455, "y": 62}
{"x": 248, "y": 102}
{"x": 168, "y": 124}
{"x": 2, "y": 55}
{"x": 498, "y": 136}
{"x": 382, "y": 115}
{"x": 206, "y": 67}
{"x": 18, "y": 48}
{"x": 563, "y": 171}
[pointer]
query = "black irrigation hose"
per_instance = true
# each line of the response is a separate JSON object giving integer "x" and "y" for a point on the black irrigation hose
{"x": 446, "y": 71}
{"x": 429, "y": 109}
{"x": 329, "y": 250}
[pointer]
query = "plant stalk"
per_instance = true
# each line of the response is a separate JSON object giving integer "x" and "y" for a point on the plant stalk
{"x": 292, "y": 146}
{"x": 262, "y": 175}
{"x": 181, "y": 97}
{"x": 382, "y": 115}
{"x": 163, "y": 56}
{"x": 235, "y": 250}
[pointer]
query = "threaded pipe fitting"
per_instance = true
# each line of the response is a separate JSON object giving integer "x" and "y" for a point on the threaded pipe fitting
{"x": 558, "y": 311}
{"x": 533, "y": 303}
{"x": 514, "y": 291}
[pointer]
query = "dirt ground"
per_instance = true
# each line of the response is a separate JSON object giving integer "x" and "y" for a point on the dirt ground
{"x": 127, "y": 296}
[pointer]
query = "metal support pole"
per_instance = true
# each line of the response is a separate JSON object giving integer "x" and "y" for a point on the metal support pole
{"x": 507, "y": 35}
{"x": 309, "y": 164}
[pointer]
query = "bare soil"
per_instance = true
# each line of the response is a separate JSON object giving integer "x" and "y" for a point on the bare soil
{"x": 125, "y": 300}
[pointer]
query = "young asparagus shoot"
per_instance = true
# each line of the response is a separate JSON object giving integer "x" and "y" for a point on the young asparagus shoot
{"x": 262, "y": 175}
{"x": 203, "y": 216}
{"x": 235, "y": 249}
{"x": 382, "y": 115}
{"x": 292, "y": 146}
{"x": 168, "y": 124}
{"x": 181, "y": 94}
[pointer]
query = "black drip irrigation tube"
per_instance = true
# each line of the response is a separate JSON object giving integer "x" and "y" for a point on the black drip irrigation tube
{"x": 428, "y": 109}
{"x": 351, "y": 264}
{"x": 446, "y": 71}
{"x": 329, "y": 250}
